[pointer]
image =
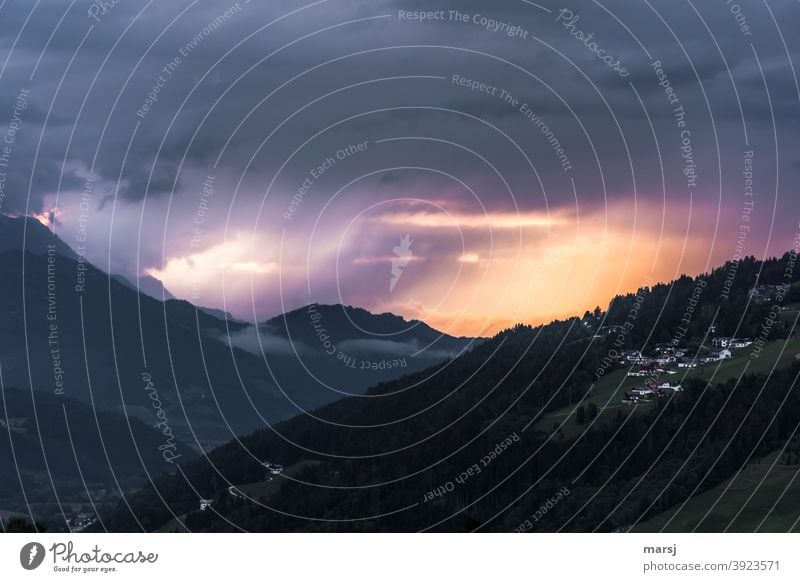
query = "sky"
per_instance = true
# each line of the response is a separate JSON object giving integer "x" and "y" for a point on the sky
{"x": 477, "y": 165}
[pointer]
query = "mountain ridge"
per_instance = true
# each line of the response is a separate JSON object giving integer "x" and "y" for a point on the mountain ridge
{"x": 417, "y": 433}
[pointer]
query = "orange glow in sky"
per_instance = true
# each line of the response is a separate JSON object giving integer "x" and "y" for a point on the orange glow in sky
{"x": 505, "y": 269}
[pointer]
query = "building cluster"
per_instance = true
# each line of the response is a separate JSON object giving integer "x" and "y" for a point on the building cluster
{"x": 665, "y": 358}
{"x": 665, "y": 355}
{"x": 723, "y": 348}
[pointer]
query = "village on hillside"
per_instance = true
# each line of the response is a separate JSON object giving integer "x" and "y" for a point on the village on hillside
{"x": 668, "y": 359}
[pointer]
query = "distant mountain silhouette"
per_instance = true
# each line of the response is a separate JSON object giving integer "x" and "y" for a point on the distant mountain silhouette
{"x": 148, "y": 285}
{"x": 26, "y": 233}
{"x": 220, "y": 314}
{"x": 70, "y": 330}
{"x": 346, "y": 323}
{"x": 320, "y": 353}
{"x": 30, "y": 234}
{"x": 106, "y": 337}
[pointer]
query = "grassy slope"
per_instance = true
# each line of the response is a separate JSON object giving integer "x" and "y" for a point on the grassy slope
{"x": 724, "y": 504}
{"x": 758, "y": 479}
{"x": 608, "y": 391}
{"x": 750, "y": 494}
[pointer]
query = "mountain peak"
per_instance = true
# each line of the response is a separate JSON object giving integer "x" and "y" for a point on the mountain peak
{"x": 27, "y": 233}
{"x": 350, "y": 320}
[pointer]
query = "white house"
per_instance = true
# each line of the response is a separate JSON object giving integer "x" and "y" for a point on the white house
{"x": 730, "y": 342}
{"x": 631, "y": 355}
{"x": 741, "y": 343}
{"x": 640, "y": 392}
{"x": 718, "y": 355}
{"x": 205, "y": 504}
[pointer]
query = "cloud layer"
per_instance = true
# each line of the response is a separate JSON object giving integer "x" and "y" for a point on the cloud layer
{"x": 259, "y": 157}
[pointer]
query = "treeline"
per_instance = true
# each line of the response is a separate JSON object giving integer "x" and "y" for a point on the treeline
{"x": 664, "y": 315}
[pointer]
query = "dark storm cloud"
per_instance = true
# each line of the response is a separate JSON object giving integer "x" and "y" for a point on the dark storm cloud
{"x": 124, "y": 78}
{"x": 109, "y": 100}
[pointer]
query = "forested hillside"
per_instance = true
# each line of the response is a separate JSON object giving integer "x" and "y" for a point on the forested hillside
{"x": 461, "y": 446}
